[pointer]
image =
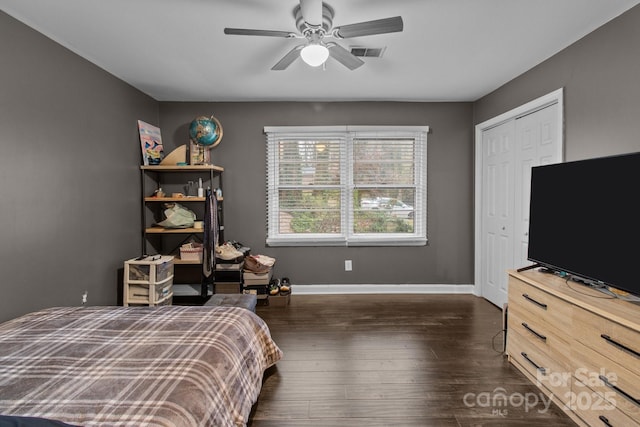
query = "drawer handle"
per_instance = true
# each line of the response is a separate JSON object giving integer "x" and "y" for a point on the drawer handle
{"x": 537, "y": 334}
{"x": 618, "y": 389}
{"x": 542, "y": 370}
{"x": 539, "y": 304}
{"x": 605, "y": 421}
{"x": 613, "y": 342}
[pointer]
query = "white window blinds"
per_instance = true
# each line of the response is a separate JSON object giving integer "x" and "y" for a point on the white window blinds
{"x": 346, "y": 185}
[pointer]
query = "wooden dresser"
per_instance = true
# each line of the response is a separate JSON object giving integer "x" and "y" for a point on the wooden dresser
{"x": 578, "y": 346}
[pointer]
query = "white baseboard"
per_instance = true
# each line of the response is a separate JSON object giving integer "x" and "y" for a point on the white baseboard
{"x": 381, "y": 289}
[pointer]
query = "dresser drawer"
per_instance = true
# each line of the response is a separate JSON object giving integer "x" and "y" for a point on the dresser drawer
{"x": 607, "y": 378}
{"x": 595, "y": 410}
{"x": 543, "y": 306}
{"x": 608, "y": 338}
{"x": 546, "y": 338}
{"x": 546, "y": 370}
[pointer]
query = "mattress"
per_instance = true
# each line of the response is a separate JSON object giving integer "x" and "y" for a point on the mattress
{"x": 135, "y": 366}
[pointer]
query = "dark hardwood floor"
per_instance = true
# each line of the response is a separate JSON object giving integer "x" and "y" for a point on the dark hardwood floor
{"x": 394, "y": 360}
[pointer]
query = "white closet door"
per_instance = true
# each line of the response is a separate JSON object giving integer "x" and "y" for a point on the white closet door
{"x": 509, "y": 152}
{"x": 497, "y": 210}
{"x": 536, "y": 139}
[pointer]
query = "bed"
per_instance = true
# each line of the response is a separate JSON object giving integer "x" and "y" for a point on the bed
{"x": 134, "y": 366}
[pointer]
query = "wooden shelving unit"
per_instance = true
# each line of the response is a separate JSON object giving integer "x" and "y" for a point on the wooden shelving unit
{"x": 188, "y": 280}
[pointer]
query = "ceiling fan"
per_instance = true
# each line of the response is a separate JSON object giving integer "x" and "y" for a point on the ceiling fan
{"x": 314, "y": 20}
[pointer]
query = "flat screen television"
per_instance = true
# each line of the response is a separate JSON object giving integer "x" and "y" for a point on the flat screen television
{"x": 584, "y": 220}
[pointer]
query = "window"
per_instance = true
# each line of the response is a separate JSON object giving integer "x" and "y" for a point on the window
{"x": 346, "y": 185}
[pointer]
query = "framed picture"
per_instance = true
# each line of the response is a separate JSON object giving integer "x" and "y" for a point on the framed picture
{"x": 151, "y": 143}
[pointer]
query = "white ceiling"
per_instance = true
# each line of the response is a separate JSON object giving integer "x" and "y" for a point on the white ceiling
{"x": 450, "y": 50}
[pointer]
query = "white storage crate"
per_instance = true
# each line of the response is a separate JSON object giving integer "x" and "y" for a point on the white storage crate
{"x": 148, "y": 281}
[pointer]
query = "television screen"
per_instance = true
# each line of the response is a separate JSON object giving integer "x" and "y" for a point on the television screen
{"x": 584, "y": 219}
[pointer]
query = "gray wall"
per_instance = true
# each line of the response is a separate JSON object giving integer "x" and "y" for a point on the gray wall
{"x": 600, "y": 75}
{"x": 70, "y": 182}
{"x": 69, "y": 187}
{"x": 448, "y": 258}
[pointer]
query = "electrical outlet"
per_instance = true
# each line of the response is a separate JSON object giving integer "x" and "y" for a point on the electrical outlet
{"x": 348, "y": 266}
{"x": 84, "y": 297}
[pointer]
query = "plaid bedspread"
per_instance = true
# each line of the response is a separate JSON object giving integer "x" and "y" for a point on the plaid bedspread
{"x": 135, "y": 366}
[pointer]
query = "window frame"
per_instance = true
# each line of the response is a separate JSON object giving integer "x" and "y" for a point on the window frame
{"x": 346, "y": 136}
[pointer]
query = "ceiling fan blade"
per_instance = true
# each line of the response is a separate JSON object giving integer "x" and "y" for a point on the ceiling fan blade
{"x": 343, "y": 56}
{"x": 288, "y": 59}
{"x": 250, "y": 32}
{"x": 369, "y": 28}
{"x": 311, "y": 12}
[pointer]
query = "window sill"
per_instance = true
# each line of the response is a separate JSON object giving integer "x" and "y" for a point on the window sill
{"x": 311, "y": 242}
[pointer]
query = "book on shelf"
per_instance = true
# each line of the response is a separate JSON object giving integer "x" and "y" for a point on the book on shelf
{"x": 151, "y": 143}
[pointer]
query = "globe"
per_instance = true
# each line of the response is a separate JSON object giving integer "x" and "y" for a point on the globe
{"x": 205, "y": 131}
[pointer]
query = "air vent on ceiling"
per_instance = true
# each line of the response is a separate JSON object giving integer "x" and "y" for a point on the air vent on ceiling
{"x": 368, "y": 52}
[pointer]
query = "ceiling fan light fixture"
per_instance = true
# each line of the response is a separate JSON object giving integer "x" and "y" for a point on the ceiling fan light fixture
{"x": 314, "y": 21}
{"x": 314, "y": 54}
